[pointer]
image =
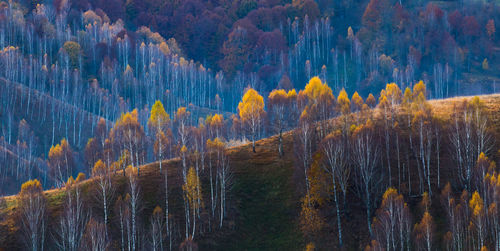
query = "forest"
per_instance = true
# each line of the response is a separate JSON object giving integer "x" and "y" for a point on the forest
{"x": 249, "y": 124}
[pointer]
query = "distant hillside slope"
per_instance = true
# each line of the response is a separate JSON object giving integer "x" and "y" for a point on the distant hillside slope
{"x": 264, "y": 200}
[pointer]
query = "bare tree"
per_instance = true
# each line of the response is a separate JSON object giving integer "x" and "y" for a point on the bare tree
{"x": 365, "y": 155}
{"x": 334, "y": 152}
{"x": 104, "y": 188}
{"x": 134, "y": 190}
{"x": 94, "y": 238}
{"x": 73, "y": 219}
{"x": 156, "y": 229}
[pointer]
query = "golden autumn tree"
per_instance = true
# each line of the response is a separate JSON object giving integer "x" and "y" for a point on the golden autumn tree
{"x": 215, "y": 125}
{"x": 181, "y": 120}
{"x": 311, "y": 220}
{"x": 389, "y": 98}
{"x": 128, "y": 134}
{"x": 251, "y": 111}
{"x": 193, "y": 201}
{"x": 392, "y": 223}
{"x": 356, "y": 102}
{"x": 344, "y": 106}
{"x": 371, "y": 101}
{"x": 158, "y": 123}
{"x": 280, "y": 105}
{"x": 424, "y": 232}
{"x": 61, "y": 162}
{"x": 478, "y": 220}
{"x": 317, "y": 100}
{"x": 32, "y": 207}
{"x": 104, "y": 187}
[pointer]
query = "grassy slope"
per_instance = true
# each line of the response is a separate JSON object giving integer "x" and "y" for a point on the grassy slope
{"x": 264, "y": 199}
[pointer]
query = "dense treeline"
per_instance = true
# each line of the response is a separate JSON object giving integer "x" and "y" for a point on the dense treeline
{"x": 401, "y": 147}
{"x": 75, "y": 62}
{"x": 404, "y": 150}
{"x": 98, "y": 88}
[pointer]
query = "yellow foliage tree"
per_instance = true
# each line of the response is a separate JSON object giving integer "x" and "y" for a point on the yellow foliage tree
{"x": 192, "y": 197}
{"x": 251, "y": 111}
{"x": 32, "y": 205}
{"x": 158, "y": 123}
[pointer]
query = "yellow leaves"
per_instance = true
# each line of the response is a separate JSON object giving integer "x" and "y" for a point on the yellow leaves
{"x": 99, "y": 168}
{"x": 215, "y": 144}
{"x": 407, "y": 97}
{"x": 357, "y": 101}
{"x": 419, "y": 89}
{"x": 318, "y": 183}
{"x": 483, "y": 162}
{"x": 252, "y": 106}
{"x": 81, "y": 177}
{"x": 55, "y": 151}
{"x": 280, "y": 98}
{"x": 31, "y": 187}
{"x": 280, "y": 95}
{"x": 123, "y": 161}
{"x": 370, "y": 100}
{"x": 215, "y": 121}
{"x": 316, "y": 90}
{"x": 425, "y": 223}
{"x": 184, "y": 149}
{"x": 128, "y": 70}
{"x": 158, "y": 119}
{"x": 425, "y": 202}
{"x": 292, "y": 94}
{"x": 485, "y": 65}
{"x": 476, "y": 103}
{"x": 382, "y": 100}
{"x": 476, "y": 204}
{"x": 310, "y": 246}
{"x": 310, "y": 219}
{"x": 181, "y": 114}
{"x": 192, "y": 188}
{"x": 350, "y": 34}
{"x": 157, "y": 211}
{"x": 393, "y": 93}
{"x": 70, "y": 181}
{"x": 164, "y": 48}
{"x": 344, "y": 103}
{"x": 390, "y": 193}
{"x": 128, "y": 118}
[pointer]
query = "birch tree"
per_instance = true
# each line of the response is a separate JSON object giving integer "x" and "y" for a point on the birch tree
{"x": 251, "y": 111}
{"x": 365, "y": 156}
{"x": 158, "y": 124}
{"x": 32, "y": 206}
{"x": 73, "y": 219}
{"x": 104, "y": 188}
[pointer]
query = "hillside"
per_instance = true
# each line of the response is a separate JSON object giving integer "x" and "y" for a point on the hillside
{"x": 264, "y": 199}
